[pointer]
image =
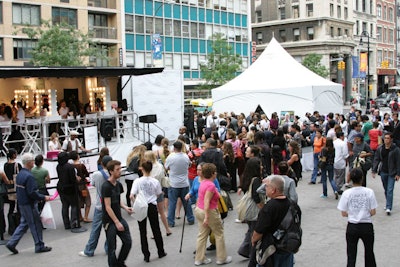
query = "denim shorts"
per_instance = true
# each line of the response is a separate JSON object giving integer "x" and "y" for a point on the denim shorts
{"x": 160, "y": 198}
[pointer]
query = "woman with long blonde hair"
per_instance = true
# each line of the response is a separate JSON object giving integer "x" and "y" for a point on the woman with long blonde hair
{"x": 132, "y": 165}
{"x": 158, "y": 172}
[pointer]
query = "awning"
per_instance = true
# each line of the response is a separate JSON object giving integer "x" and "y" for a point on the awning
{"x": 71, "y": 72}
{"x": 201, "y": 102}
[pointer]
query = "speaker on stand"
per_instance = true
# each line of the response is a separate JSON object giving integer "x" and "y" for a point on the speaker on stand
{"x": 147, "y": 119}
{"x": 107, "y": 129}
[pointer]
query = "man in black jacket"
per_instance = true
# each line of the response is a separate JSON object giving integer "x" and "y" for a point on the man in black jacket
{"x": 387, "y": 158}
{"x": 67, "y": 187}
{"x": 214, "y": 155}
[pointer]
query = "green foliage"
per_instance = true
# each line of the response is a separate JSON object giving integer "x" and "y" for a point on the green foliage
{"x": 60, "y": 45}
{"x": 222, "y": 63}
{"x": 313, "y": 63}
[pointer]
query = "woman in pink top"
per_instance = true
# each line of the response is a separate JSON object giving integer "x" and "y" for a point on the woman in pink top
{"x": 374, "y": 135}
{"x": 209, "y": 219}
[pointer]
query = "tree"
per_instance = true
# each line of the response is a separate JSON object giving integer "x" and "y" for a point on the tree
{"x": 222, "y": 63}
{"x": 313, "y": 63}
{"x": 60, "y": 45}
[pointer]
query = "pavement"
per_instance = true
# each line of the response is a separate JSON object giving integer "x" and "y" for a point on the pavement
{"x": 324, "y": 242}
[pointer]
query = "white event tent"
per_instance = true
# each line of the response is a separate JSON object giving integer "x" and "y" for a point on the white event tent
{"x": 278, "y": 83}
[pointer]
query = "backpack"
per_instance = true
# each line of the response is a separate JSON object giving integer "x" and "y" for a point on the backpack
{"x": 288, "y": 235}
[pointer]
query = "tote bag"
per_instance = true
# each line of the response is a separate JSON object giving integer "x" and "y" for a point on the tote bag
{"x": 47, "y": 217}
{"x": 140, "y": 207}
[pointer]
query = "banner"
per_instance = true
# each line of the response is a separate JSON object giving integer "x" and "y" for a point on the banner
{"x": 356, "y": 68}
{"x": 157, "y": 47}
{"x": 363, "y": 64}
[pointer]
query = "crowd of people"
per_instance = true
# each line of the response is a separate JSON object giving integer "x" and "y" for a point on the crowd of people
{"x": 254, "y": 155}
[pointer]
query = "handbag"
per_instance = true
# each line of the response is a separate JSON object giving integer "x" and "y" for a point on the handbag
{"x": 321, "y": 161}
{"x": 12, "y": 194}
{"x": 222, "y": 207}
{"x": 140, "y": 207}
{"x": 246, "y": 208}
{"x": 47, "y": 217}
{"x": 13, "y": 222}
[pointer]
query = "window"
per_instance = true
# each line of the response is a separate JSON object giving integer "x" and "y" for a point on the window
{"x": 295, "y": 12}
{"x": 364, "y": 6}
{"x": 97, "y": 20}
{"x": 346, "y": 13}
{"x": 282, "y": 35}
{"x": 259, "y": 37}
{"x": 26, "y": 14}
{"x": 379, "y": 34}
{"x": 139, "y": 24}
{"x": 310, "y": 10}
{"x": 1, "y": 50}
{"x": 346, "y": 32}
{"x": 258, "y": 16}
{"x": 379, "y": 57}
{"x": 331, "y": 11}
{"x": 100, "y": 61}
{"x": 310, "y": 33}
{"x": 193, "y": 30}
{"x": 128, "y": 23}
{"x": 296, "y": 34}
{"x": 158, "y": 26}
{"x": 185, "y": 28}
{"x": 22, "y": 48}
{"x": 282, "y": 13}
{"x": 390, "y": 14}
{"x": 177, "y": 28}
{"x": 339, "y": 31}
{"x": 379, "y": 11}
{"x": 149, "y": 25}
{"x": 332, "y": 32}
{"x": 1, "y": 15}
{"x": 391, "y": 36}
{"x": 202, "y": 30}
{"x": 384, "y": 12}
{"x": 64, "y": 16}
{"x": 339, "y": 12}
{"x": 364, "y": 27}
{"x": 168, "y": 27}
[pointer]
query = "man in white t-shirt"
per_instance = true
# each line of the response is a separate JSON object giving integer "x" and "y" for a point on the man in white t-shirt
{"x": 73, "y": 143}
{"x": 339, "y": 165}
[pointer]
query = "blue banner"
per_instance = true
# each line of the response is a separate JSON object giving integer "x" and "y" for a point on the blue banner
{"x": 356, "y": 69}
{"x": 157, "y": 46}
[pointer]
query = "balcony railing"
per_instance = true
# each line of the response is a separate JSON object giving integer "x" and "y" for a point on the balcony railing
{"x": 103, "y": 32}
{"x": 102, "y": 3}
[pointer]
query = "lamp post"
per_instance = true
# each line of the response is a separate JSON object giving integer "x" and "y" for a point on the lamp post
{"x": 366, "y": 34}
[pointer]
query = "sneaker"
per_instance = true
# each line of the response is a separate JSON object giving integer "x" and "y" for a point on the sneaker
{"x": 311, "y": 182}
{"x": 388, "y": 211}
{"x": 206, "y": 261}
{"x": 82, "y": 254}
{"x": 43, "y": 250}
{"x": 336, "y": 195}
{"x": 323, "y": 196}
{"x": 226, "y": 261}
{"x": 191, "y": 223}
{"x": 12, "y": 249}
{"x": 238, "y": 221}
{"x": 211, "y": 247}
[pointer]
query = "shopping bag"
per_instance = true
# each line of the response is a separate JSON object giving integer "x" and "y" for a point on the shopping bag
{"x": 140, "y": 207}
{"x": 47, "y": 217}
{"x": 222, "y": 207}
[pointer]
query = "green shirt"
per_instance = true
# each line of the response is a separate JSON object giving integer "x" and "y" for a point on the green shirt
{"x": 40, "y": 175}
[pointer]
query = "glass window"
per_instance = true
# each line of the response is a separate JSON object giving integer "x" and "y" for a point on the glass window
{"x": 295, "y": 12}
{"x": 379, "y": 11}
{"x": 97, "y": 20}
{"x": 390, "y": 14}
{"x": 339, "y": 31}
{"x": 391, "y": 36}
{"x": 258, "y": 16}
{"x": 282, "y": 35}
{"x": 1, "y": 12}
{"x": 186, "y": 62}
{"x": 22, "y": 48}
{"x": 26, "y": 14}
{"x": 384, "y": 12}
{"x": 296, "y": 34}
{"x": 310, "y": 33}
{"x": 282, "y": 13}
{"x": 259, "y": 37}
{"x": 346, "y": 13}
{"x": 185, "y": 28}
{"x": 64, "y": 16}
{"x": 331, "y": 11}
{"x": 339, "y": 12}
{"x": 128, "y": 23}
{"x": 168, "y": 27}
{"x": 202, "y": 30}
{"x": 310, "y": 10}
{"x": 149, "y": 24}
{"x": 332, "y": 32}
{"x": 139, "y": 24}
{"x": 158, "y": 26}
{"x": 177, "y": 28}
{"x": 168, "y": 60}
{"x": 193, "y": 30}
{"x": 379, "y": 34}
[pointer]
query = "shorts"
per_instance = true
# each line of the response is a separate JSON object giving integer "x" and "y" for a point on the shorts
{"x": 160, "y": 198}
{"x": 165, "y": 190}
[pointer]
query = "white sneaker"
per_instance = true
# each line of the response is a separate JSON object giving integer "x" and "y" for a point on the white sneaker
{"x": 226, "y": 261}
{"x": 388, "y": 211}
{"x": 238, "y": 221}
{"x": 206, "y": 261}
{"x": 82, "y": 254}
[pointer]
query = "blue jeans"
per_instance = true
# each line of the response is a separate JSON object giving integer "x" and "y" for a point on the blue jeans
{"x": 30, "y": 218}
{"x": 173, "y": 195}
{"x": 95, "y": 234}
{"x": 329, "y": 169}
{"x": 388, "y": 186}
{"x": 315, "y": 170}
{"x": 125, "y": 236}
{"x": 283, "y": 259}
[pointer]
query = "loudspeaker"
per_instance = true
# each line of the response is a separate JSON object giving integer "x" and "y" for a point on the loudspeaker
{"x": 148, "y": 118}
{"x": 188, "y": 118}
{"x": 107, "y": 128}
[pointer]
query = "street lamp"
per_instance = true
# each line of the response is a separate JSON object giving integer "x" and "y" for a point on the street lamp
{"x": 366, "y": 34}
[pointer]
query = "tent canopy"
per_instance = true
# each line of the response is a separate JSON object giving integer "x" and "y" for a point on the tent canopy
{"x": 277, "y": 82}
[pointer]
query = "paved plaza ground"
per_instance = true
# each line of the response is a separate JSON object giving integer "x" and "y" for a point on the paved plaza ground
{"x": 324, "y": 241}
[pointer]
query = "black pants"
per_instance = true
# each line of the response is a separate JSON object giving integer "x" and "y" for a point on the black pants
{"x": 152, "y": 215}
{"x": 111, "y": 236}
{"x": 365, "y": 232}
{"x": 128, "y": 192}
{"x": 67, "y": 202}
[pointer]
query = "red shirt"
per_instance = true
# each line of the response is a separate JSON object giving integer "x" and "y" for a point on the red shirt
{"x": 193, "y": 167}
{"x": 374, "y": 134}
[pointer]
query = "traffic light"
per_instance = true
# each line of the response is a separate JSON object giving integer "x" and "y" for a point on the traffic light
{"x": 341, "y": 65}
{"x": 385, "y": 64}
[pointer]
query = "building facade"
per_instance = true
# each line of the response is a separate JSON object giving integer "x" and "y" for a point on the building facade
{"x": 101, "y": 18}
{"x": 175, "y": 34}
